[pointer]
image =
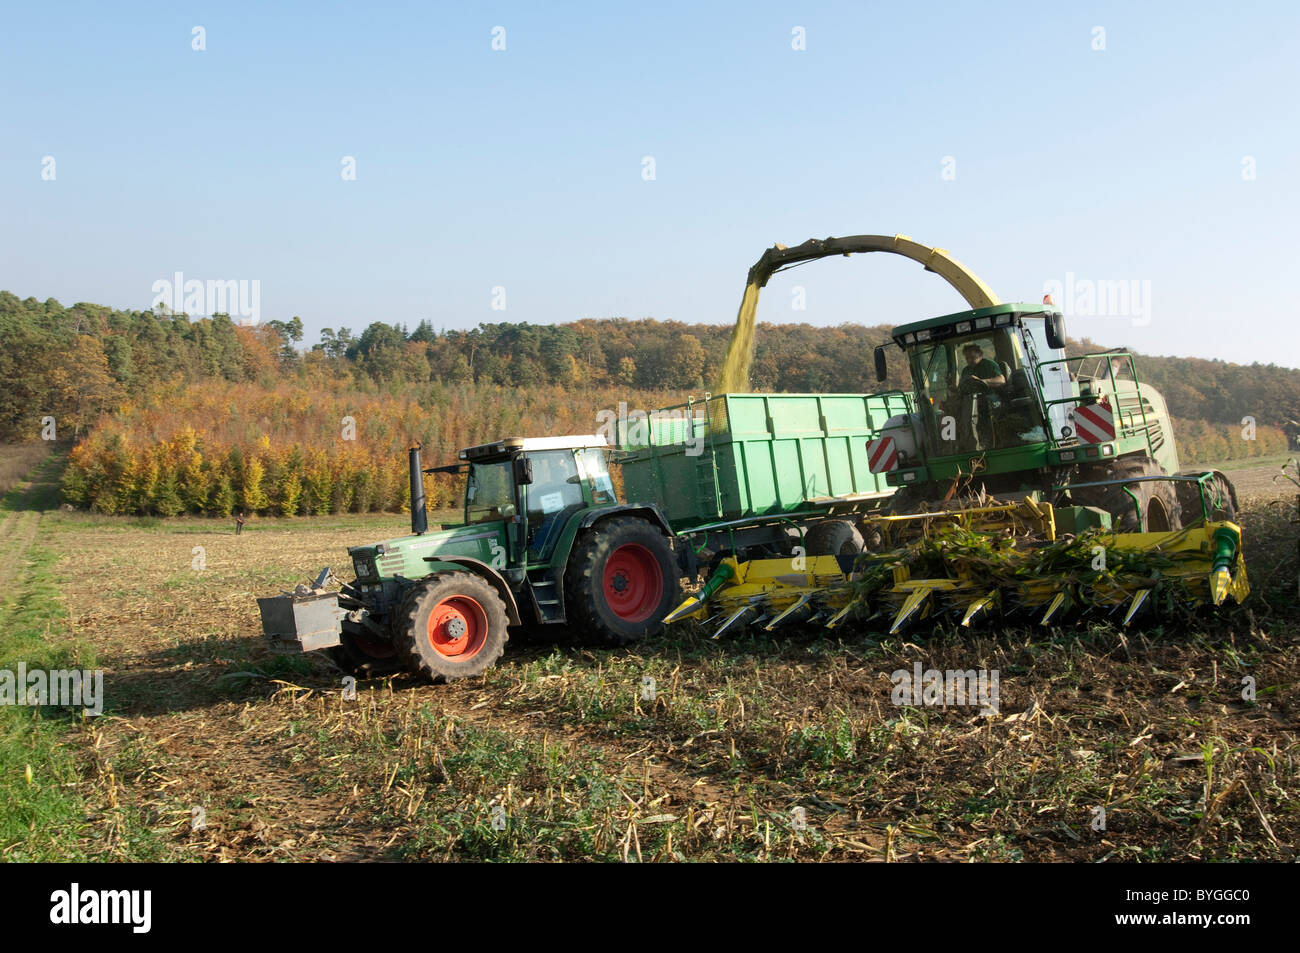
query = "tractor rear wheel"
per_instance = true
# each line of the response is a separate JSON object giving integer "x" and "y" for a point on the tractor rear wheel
{"x": 452, "y": 625}
{"x": 1157, "y": 501}
{"x": 833, "y": 538}
{"x": 621, "y": 581}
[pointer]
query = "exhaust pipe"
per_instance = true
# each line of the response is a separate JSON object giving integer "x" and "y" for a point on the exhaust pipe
{"x": 419, "y": 514}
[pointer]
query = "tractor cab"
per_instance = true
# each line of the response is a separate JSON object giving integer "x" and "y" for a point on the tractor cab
{"x": 536, "y": 484}
{"x": 519, "y": 497}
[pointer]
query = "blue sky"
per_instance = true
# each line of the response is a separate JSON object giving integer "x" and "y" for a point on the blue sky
{"x": 523, "y": 168}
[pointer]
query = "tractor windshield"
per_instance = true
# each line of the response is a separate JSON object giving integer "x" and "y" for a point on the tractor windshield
{"x": 489, "y": 492}
{"x": 975, "y": 392}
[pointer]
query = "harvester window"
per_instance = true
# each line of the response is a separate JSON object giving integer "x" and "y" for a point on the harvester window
{"x": 980, "y": 398}
{"x": 489, "y": 492}
{"x": 978, "y": 360}
{"x": 938, "y": 368}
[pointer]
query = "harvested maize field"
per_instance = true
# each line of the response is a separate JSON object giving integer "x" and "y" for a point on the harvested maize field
{"x": 1106, "y": 744}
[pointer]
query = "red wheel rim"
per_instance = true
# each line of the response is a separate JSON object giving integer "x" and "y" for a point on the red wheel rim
{"x": 633, "y": 582}
{"x": 458, "y": 628}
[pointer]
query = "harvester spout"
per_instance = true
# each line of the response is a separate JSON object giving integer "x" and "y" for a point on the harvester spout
{"x": 419, "y": 514}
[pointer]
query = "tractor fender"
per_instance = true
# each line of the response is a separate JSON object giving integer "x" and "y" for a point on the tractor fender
{"x": 647, "y": 511}
{"x": 651, "y": 513}
{"x": 480, "y": 568}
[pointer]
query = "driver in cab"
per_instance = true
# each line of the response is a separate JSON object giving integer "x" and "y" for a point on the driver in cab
{"x": 979, "y": 368}
{"x": 968, "y": 401}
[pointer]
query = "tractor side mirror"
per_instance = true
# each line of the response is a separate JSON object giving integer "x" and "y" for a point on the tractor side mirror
{"x": 523, "y": 471}
{"x": 881, "y": 369}
{"x": 1055, "y": 329}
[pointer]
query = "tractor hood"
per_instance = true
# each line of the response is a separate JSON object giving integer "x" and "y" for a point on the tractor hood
{"x": 415, "y": 556}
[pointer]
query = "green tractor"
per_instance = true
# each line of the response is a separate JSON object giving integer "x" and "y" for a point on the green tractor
{"x": 544, "y": 541}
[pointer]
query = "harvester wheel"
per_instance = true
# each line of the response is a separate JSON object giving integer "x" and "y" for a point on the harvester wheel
{"x": 452, "y": 625}
{"x": 621, "y": 581}
{"x": 906, "y": 499}
{"x": 1157, "y": 499}
{"x": 1220, "y": 499}
{"x": 833, "y": 538}
{"x": 367, "y": 656}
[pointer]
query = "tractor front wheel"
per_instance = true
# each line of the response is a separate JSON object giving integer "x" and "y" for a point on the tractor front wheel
{"x": 621, "y": 581}
{"x": 452, "y": 625}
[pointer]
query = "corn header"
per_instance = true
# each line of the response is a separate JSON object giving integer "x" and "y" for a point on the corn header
{"x": 973, "y": 563}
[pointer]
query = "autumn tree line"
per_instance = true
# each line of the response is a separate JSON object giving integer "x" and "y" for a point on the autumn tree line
{"x": 171, "y": 415}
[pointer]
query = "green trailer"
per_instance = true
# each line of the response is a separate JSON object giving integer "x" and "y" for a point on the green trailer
{"x": 751, "y": 474}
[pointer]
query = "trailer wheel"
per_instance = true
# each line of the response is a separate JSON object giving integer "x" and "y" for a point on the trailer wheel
{"x": 833, "y": 538}
{"x": 1157, "y": 500}
{"x": 365, "y": 655}
{"x": 621, "y": 581}
{"x": 452, "y": 625}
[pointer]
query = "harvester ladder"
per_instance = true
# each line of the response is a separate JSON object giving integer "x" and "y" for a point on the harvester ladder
{"x": 1127, "y": 407}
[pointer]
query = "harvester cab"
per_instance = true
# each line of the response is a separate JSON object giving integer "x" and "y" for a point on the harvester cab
{"x": 976, "y": 381}
{"x": 543, "y": 540}
{"x": 999, "y": 409}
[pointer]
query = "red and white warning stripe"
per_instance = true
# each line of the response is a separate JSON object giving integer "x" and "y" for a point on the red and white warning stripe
{"x": 882, "y": 455}
{"x": 1094, "y": 423}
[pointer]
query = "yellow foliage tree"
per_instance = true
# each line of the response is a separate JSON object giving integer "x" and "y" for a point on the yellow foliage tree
{"x": 252, "y": 496}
